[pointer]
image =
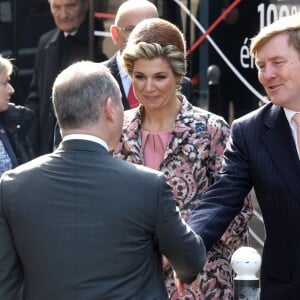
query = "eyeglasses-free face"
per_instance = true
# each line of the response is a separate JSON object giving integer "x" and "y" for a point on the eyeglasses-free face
{"x": 68, "y": 14}
{"x": 6, "y": 91}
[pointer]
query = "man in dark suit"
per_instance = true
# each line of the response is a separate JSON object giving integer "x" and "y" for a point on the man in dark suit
{"x": 129, "y": 14}
{"x": 82, "y": 225}
{"x": 263, "y": 153}
{"x": 57, "y": 49}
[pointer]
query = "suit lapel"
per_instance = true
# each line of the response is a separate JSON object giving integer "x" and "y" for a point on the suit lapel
{"x": 113, "y": 66}
{"x": 182, "y": 127}
{"x": 280, "y": 144}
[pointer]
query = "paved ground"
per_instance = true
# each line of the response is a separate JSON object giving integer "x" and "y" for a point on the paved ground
{"x": 257, "y": 226}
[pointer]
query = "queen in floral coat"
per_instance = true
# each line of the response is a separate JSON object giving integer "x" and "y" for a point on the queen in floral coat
{"x": 191, "y": 160}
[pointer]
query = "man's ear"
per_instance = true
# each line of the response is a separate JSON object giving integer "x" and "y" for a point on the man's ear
{"x": 109, "y": 109}
{"x": 114, "y": 34}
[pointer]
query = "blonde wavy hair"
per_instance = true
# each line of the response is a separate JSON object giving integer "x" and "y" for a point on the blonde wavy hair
{"x": 153, "y": 38}
{"x": 6, "y": 67}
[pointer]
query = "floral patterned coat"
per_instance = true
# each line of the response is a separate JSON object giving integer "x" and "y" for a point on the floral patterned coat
{"x": 191, "y": 160}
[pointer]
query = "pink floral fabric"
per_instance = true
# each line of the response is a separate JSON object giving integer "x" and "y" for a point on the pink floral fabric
{"x": 192, "y": 158}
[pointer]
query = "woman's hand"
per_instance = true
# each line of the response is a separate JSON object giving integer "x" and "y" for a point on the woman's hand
{"x": 181, "y": 287}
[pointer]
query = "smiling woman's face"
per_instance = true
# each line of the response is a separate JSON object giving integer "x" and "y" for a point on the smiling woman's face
{"x": 154, "y": 83}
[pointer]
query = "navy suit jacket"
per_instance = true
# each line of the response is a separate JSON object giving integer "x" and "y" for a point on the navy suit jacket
{"x": 261, "y": 153}
{"x": 83, "y": 225}
{"x": 186, "y": 86}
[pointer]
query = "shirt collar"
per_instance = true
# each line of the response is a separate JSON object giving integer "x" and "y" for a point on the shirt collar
{"x": 86, "y": 137}
{"x": 289, "y": 114}
{"x": 70, "y": 33}
{"x": 123, "y": 74}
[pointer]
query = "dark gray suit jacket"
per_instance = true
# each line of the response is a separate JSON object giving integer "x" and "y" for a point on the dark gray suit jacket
{"x": 186, "y": 86}
{"x": 83, "y": 225}
{"x": 261, "y": 153}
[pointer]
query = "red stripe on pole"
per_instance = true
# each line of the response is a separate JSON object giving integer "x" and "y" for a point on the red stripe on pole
{"x": 101, "y": 15}
{"x": 213, "y": 26}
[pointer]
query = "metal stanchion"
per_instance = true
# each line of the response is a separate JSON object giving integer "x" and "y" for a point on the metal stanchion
{"x": 214, "y": 97}
{"x": 246, "y": 262}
